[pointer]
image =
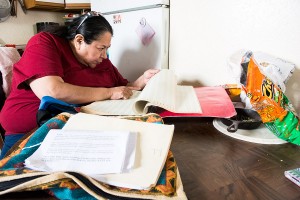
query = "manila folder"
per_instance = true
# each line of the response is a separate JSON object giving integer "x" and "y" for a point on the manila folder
{"x": 152, "y": 148}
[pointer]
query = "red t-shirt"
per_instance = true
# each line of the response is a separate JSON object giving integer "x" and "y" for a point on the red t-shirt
{"x": 45, "y": 55}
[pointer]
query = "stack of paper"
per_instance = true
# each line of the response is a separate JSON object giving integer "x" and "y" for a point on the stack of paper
{"x": 152, "y": 148}
{"x": 88, "y": 152}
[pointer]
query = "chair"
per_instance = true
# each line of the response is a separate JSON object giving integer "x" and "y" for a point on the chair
{"x": 2, "y": 99}
{"x": 8, "y": 57}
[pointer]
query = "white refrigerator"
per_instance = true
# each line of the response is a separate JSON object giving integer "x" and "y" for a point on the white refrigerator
{"x": 141, "y": 34}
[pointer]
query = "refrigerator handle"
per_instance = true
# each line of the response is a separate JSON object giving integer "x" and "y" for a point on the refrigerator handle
{"x": 165, "y": 50}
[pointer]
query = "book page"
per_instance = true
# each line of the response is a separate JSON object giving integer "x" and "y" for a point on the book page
{"x": 88, "y": 152}
{"x": 113, "y": 107}
{"x": 187, "y": 100}
{"x": 159, "y": 91}
{"x": 163, "y": 91}
{"x": 153, "y": 145}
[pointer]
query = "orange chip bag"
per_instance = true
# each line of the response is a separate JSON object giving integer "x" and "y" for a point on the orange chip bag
{"x": 269, "y": 101}
{"x": 265, "y": 97}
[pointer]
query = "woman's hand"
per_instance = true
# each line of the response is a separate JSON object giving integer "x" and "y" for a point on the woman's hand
{"x": 121, "y": 92}
{"x": 148, "y": 74}
{"x": 143, "y": 80}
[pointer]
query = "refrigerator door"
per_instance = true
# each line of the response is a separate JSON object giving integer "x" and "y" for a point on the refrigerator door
{"x": 140, "y": 40}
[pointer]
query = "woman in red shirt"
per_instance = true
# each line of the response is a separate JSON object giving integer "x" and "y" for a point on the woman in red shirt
{"x": 68, "y": 63}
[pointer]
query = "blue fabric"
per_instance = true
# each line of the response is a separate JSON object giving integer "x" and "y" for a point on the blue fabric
{"x": 65, "y": 193}
{"x": 9, "y": 141}
{"x": 56, "y": 106}
{"x": 50, "y": 107}
{"x": 46, "y": 101}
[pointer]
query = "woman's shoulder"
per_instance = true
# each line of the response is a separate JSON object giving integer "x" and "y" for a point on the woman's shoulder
{"x": 45, "y": 38}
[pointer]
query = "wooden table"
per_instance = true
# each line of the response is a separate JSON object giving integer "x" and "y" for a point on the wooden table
{"x": 215, "y": 166}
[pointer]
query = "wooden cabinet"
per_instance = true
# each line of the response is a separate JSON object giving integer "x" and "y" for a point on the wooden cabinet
{"x": 52, "y": 5}
{"x": 77, "y": 4}
{"x": 57, "y": 5}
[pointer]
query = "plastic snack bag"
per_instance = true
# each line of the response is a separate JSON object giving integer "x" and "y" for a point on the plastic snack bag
{"x": 269, "y": 101}
{"x": 276, "y": 69}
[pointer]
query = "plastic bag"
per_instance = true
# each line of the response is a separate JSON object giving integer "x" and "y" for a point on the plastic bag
{"x": 269, "y": 101}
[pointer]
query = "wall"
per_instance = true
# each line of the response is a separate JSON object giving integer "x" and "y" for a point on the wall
{"x": 205, "y": 33}
{"x": 18, "y": 30}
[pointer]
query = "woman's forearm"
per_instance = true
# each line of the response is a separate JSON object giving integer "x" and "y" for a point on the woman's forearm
{"x": 55, "y": 87}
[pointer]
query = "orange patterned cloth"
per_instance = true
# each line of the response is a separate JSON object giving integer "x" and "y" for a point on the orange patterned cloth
{"x": 12, "y": 166}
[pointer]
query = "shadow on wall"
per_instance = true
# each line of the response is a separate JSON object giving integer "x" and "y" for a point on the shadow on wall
{"x": 134, "y": 62}
{"x": 195, "y": 83}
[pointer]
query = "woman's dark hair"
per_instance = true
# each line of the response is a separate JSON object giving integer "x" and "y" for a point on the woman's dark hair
{"x": 89, "y": 25}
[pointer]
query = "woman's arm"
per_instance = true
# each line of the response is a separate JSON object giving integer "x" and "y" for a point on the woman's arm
{"x": 54, "y": 86}
{"x": 140, "y": 83}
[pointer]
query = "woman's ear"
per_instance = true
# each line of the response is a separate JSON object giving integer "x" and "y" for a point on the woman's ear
{"x": 78, "y": 41}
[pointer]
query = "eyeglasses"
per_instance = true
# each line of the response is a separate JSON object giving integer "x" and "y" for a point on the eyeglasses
{"x": 87, "y": 15}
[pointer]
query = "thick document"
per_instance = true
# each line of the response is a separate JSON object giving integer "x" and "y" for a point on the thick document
{"x": 161, "y": 91}
{"x": 152, "y": 147}
{"x": 96, "y": 152}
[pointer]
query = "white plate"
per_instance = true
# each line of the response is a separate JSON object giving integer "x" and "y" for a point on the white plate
{"x": 261, "y": 135}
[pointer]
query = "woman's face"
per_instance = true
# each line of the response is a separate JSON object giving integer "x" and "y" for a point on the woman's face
{"x": 93, "y": 54}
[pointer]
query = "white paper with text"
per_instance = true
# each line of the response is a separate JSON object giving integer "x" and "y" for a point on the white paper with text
{"x": 88, "y": 152}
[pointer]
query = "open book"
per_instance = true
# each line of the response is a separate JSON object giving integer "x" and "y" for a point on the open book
{"x": 161, "y": 90}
